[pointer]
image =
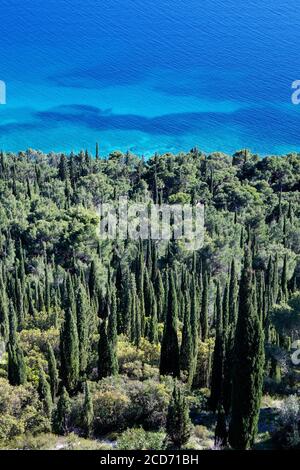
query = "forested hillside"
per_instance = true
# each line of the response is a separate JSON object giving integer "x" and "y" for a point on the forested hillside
{"x": 146, "y": 344}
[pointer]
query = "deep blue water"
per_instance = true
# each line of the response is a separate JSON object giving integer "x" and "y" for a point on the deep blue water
{"x": 150, "y": 75}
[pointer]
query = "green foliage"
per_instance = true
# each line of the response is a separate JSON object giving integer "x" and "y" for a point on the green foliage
{"x": 146, "y": 310}
{"x": 178, "y": 426}
{"x": 169, "y": 359}
{"x": 139, "y": 439}
{"x": 248, "y": 364}
{"x": 61, "y": 416}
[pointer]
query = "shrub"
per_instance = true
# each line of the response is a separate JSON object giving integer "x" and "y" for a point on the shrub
{"x": 20, "y": 411}
{"x": 287, "y": 435}
{"x": 120, "y": 403}
{"x": 139, "y": 439}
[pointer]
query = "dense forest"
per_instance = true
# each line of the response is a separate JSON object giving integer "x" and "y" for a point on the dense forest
{"x": 143, "y": 344}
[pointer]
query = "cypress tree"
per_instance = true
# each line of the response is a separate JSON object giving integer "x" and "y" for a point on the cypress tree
{"x": 53, "y": 372}
{"x": 204, "y": 308}
{"x": 45, "y": 393}
{"x": 284, "y": 281}
{"x": 82, "y": 327}
{"x": 194, "y": 315}
{"x": 169, "y": 358}
{"x": 62, "y": 413}
{"x": 153, "y": 325}
{"x": 275, "y": 281}
{"x": 187, "y": 349}
{"x": 248, "y": 364}
{"x": 16, "y": 364}
{"x": 69, "y": 350}
{"x": 178, "y": 426}
{"x": 63, "y": 170}
{"x": 218, "y": 357}
{"x": 225, "y": 308}
{"x": 19, "y": 303}
{"x": 47, "y": 290}
{"x": 221, "y": 429}
{"x": 93, "y": 280}
{"x": 233, "y": 288}
{"x": 4, "y": 322}
{"x": 112, "y": 330}
{"x": 107, "y": 362}
{"x": 160, "y": 296}
{"x": 141, "y": 288}
{"x": 88, "y": 411}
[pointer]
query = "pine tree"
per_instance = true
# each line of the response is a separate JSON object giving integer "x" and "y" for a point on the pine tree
{"x": 178, "y": 426}
{"x": 248, "y": 364}
{"x": 88, "y": 411}
{"x": 69, "y": 351}
{"x": 169, "y": 358}
{"x": 62, "y": 413}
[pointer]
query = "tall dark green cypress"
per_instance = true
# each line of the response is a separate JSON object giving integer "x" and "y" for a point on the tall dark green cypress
{"x": 248, "y": 370}
{"x": 204, "y": 308}
{"x": 88, "y": 411}
{"x": 61, "y": 419}
{"x": 4, "y": 321}
{"x": 16, "y": 367}
{"x": 82, "y": 310}
{"x": 53, "y": 372}
{"x": 106, "y": 358}
{"x": 233, "y": 291}
{"x": 112, "y": 332}
{"x": 169, "y": 358}
{"x": 221, "y": 429}
{"x": 194, "y": 316}
{"x": 45, "y": 393}
{"x": 69, "y": 351}
{"x": 178, "y": 426}
{"x": 153, "y": 324}
{"x": 63, "y": 170}
{"x": 218, "y": 356}
{"x": 187, "y": 347}
{"x": 284, "y": 280}
{"x": 93, "y": 280}
{"x": 160, "y": 296}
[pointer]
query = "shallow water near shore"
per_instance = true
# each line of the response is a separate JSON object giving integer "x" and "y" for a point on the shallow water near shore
{"x": 150, "y": 76}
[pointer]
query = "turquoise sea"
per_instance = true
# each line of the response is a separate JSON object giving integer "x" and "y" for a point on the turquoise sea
{"x": 150, "y": 75}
